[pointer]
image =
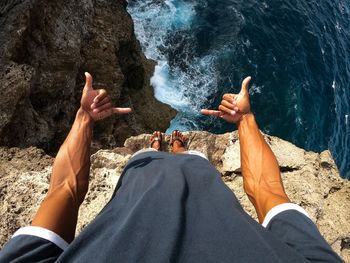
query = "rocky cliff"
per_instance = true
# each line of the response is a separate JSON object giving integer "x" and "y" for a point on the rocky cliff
{"x": 45, "y": 47}
{"x": 311, "y": 180}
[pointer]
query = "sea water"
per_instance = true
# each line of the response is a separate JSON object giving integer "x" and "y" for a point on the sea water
{"x": 298, "y": 54}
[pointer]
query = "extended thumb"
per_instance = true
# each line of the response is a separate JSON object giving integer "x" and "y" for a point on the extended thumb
{"x": 245, "y": 85}
{"x": 88, "y": 81}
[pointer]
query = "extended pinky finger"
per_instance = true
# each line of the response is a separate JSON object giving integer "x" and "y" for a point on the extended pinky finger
{"x": 215, "y": 113}
{"x": 122, "y": 110}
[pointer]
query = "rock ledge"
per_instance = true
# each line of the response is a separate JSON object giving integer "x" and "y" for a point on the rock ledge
{"x": 311, "y": 180}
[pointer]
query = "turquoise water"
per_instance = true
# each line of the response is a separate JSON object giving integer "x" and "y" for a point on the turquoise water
{"x": 297, "y": 53}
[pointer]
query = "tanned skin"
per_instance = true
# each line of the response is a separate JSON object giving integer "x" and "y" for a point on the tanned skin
{"x": 70, "y": 172}
{"x": 260, "y": 170}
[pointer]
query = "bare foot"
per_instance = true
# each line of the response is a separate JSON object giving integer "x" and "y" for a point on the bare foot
{"x": 177, "y": 142}
{"x": 156, "y": 140}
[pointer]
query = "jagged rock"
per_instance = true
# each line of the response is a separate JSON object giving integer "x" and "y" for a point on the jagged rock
{"x": 311, "y": 180}
{"x": 45, "y": 47}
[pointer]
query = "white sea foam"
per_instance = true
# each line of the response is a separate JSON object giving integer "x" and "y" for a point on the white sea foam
{"x": 333, "y": 84}
{"x": 153, "y": 19}
{"x": 164, "y": 89}
{"x": 183, "y": 89}
{"x": 255, "y": 89}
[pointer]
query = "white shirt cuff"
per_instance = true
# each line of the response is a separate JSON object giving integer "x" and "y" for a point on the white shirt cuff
{"x": 281, "y": 208}
{"x": 42, "y": 233}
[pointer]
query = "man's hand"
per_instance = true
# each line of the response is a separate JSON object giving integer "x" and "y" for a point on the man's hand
{"x": 97, "y": 102}
{"x": 233, "y": 106}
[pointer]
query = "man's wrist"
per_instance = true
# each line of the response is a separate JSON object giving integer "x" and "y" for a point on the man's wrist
{"x": 85, "y": 116}
{"x": 245, "y": 117}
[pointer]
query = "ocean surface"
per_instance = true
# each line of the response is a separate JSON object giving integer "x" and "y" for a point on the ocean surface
{"x": 297, "y": 52}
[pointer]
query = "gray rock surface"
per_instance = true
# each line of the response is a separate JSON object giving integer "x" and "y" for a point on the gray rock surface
{"x": 311, "y": 180}
{"x": 45, "y": 47}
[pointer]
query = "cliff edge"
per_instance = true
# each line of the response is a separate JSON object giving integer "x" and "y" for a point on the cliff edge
{"x": 311, "y": 180}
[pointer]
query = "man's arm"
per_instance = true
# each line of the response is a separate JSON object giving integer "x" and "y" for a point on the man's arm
{"x": 261, "y": 175}
{"x": 70, "y": 172}
{"x": 263, "y": 184}
{"x": 69, "y": 181}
